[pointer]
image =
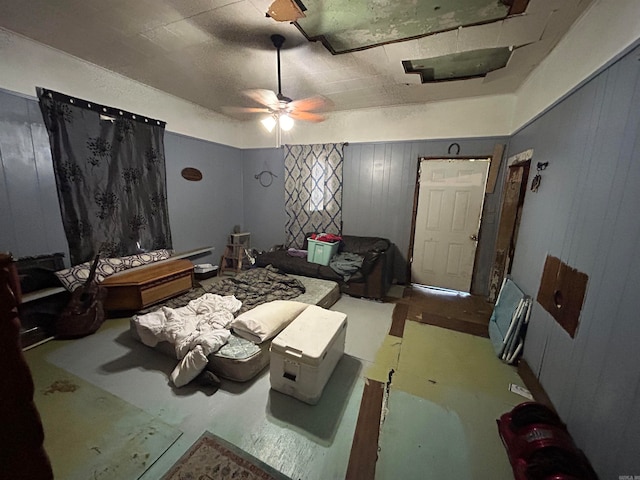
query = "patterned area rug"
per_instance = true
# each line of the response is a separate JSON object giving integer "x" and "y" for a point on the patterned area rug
{"x": 211, "y": 457}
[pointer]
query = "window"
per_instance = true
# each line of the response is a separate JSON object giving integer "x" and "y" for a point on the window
{"x": 316, "y": 201}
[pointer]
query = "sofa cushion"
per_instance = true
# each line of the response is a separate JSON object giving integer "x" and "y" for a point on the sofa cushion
{"x": 357, "y": 244}
{"x": 296, "y": 265}
{"x": 362, "y": 245}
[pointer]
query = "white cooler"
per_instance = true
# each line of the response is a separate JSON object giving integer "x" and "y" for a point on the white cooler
{"x": 304, "y": 355}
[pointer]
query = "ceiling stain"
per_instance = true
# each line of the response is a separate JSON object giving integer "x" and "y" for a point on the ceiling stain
{"x": 346, "y": 26}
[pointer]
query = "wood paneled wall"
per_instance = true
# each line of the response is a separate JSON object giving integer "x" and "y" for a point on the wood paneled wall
{"x": 379, "y": 185}
{"x": 586, "y": 214}
{"x": 378, "y": 191}
{"x": 264, "y": 213}
{"x": 379, "y": 182}
{"x": 29, "y": 210}
{"x": 204, "y": 212}
{"x": 201, "y": 213}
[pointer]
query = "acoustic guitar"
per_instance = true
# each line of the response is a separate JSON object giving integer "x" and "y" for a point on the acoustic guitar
{"x": 85, "y": 313}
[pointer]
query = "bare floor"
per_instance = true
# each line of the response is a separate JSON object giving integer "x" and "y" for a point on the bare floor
{"x": 441, "y": 392}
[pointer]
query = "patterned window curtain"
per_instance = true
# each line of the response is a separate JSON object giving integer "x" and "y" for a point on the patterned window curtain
{"x": 110, "y": 172}
{"x": 313, "y": 190}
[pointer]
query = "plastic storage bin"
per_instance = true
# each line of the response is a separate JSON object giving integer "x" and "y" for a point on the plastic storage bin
{"x": 321, "y": 252}
{"x": 305, "y": 353}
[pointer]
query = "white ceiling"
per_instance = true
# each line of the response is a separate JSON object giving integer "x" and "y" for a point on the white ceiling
{"x": 208, "y": 51}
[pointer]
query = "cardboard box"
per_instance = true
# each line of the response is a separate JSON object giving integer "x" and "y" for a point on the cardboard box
{"x": 305, "y": 353}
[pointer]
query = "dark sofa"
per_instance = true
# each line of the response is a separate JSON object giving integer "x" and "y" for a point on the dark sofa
{"x": 371, "y": 281}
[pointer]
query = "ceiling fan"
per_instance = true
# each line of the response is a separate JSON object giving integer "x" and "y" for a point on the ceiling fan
{"x": 282, "y": 110}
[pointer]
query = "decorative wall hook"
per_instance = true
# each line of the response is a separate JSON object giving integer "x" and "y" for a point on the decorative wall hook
{"x": 268, "y": 181}
{"x": 535, "y": 183}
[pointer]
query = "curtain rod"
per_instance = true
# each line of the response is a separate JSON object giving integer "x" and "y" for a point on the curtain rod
{"x": 344, "y": 144}
{"x": 103, "y": 109}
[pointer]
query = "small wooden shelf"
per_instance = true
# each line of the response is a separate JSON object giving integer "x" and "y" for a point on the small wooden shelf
{"x": 235, "y": 253}
{"x": 43, "y": 293}
{"x": 232, "y": 259}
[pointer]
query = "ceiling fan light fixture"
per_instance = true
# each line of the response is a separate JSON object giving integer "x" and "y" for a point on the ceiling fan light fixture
{"x": 281, "y": 110}
{"x": 286, "y": 122}
{"x": 269, "y": 123}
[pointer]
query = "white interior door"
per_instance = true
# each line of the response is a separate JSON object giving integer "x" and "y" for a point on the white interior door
{"x": 450, "y": 199}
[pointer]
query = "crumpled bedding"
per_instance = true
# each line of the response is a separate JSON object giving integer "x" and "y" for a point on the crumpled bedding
{"x": 249, "y": 288}
{"x": 252, "y": 287}
{"x": 195, "y": 330}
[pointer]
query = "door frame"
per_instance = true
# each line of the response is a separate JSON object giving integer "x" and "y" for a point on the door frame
{"x": 414, "y": 211}
{"x": 509, "y": 222}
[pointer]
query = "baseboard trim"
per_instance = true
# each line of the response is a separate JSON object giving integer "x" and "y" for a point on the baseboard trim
{"x": 533, "y": 384}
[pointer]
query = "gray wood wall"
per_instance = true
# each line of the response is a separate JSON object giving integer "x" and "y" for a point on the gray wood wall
{"x": 379, "y": 184}
{"x": 264, "y": 213}
{"x": 586, "y": 212}
{"x": 201, "y": 213}
{"x": 29, "y": 211}
{"x": 379, "y": 181}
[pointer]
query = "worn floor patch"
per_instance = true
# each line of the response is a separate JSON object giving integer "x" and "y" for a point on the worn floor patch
{"x": 386, "y": 359}
{"x": 368, "y": 316}
{"x": 432, "y": 436}
{"x": 433, "y": 357}
{"x": 104, "y": 437}
{"x": 459, "y": 381}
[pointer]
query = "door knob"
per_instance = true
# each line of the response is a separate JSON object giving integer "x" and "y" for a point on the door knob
{"x": 473, "y": 237}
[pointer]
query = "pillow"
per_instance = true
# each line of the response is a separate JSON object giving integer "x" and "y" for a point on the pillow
{"x": 132, "y": 261}
{"x": 267, "y": 320}
{"x": 72, "y": 278}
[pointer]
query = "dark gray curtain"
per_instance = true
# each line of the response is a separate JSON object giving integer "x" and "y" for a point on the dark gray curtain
{"x": 110, "y": 172}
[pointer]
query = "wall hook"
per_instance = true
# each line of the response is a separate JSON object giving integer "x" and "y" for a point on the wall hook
{"x": 268, "y": 181}
{"x": 535, "y": 183}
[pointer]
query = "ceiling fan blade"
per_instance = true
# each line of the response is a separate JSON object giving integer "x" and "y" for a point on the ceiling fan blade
{"x": 311, "y": 103}
{"x": 264, "y": 97}
{"x": 306, "y": 116}
{"x": 246, "y": 110}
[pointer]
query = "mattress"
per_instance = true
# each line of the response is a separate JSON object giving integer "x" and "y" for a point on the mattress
{"x": 239, "y": 359}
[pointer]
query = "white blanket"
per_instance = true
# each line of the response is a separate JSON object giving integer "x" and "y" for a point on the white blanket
{"x": 195, "y": 330}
